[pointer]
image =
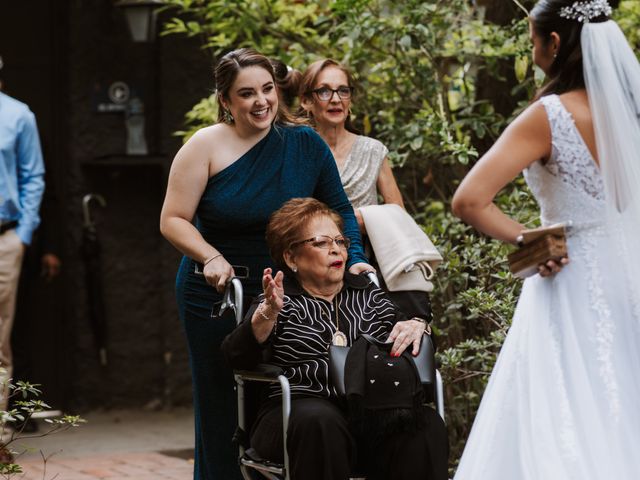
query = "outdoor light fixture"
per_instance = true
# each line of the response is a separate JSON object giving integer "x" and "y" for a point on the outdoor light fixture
{"x": 141, "y": 17}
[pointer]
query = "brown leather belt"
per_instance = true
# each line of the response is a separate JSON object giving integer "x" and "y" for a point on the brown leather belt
{"x": 8, "y": 226}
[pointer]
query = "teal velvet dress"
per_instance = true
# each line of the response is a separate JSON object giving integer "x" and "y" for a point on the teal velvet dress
{"x": 290, "y": 162}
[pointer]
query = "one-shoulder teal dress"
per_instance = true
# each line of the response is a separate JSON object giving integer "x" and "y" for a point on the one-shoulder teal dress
{"x": 289, "y": 162}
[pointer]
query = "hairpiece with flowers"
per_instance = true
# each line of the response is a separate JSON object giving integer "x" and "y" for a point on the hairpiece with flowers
{"x": 584, "y": 11}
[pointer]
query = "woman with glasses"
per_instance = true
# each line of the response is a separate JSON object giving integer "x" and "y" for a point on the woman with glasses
{"x": 326, "y": 94}
{"x": 224, "y": 184}
{"x": 325, "y": 98}
{"x": 312, "y": 303}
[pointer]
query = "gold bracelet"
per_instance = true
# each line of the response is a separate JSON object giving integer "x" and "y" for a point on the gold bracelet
{"x": 260, "y": 311}
{"x": 427, "y": 327}
{"x": 208, "y": 260}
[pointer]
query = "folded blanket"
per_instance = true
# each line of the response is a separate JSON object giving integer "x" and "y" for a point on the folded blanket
{"x": 406, "y": 257}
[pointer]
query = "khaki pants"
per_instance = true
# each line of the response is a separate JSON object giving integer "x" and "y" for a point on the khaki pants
{"x": 11, "y": 252}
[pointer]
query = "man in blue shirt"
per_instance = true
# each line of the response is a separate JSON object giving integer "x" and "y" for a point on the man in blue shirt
{"x": 21, "y": 188}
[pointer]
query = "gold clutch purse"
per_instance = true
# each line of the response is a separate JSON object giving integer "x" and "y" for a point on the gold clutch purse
{"x": 538, "y": 246}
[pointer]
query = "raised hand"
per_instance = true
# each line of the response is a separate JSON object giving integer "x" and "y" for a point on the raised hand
{"x": 273, "y": 290}
{"x": 266, "y": 315}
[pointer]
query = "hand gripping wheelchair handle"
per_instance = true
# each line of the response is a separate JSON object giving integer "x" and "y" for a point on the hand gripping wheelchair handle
{"x": 233, "y": 299}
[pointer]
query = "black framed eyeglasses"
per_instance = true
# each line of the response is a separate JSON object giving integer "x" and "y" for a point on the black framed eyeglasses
{"x": 326, "y": 93}
{"x": 325, "y": 242}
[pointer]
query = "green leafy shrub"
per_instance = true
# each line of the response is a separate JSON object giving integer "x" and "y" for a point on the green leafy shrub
{"x": 12, "y": 437}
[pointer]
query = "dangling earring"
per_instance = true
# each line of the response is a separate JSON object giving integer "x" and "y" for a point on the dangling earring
{"x": 228, "y": 118}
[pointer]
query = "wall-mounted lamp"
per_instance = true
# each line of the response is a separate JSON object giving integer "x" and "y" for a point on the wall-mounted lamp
{"x": 141, "y": 17}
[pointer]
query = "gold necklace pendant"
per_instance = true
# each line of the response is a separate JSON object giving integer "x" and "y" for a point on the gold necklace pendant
{"x": 339, "y": 339}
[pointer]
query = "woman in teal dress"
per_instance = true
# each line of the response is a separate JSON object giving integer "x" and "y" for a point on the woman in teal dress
{"x": 224, "y": 184}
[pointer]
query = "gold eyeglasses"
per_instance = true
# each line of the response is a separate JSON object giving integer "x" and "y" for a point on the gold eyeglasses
{"x": 324, "y": 242}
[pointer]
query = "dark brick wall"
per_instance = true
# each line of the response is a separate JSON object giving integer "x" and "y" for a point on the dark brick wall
{"x": 146, "y": 349}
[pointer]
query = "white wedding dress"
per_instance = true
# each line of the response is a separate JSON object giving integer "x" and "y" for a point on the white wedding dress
{"x": 563, "y": 401}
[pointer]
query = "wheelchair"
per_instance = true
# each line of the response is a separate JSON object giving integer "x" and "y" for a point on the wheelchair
{"x": 249, "y": 460}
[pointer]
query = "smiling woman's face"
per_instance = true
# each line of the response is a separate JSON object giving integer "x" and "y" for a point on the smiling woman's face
{"x": 253, "y": 99}
{"x": 335, "y": 110}
{"x": 318, "y": 267}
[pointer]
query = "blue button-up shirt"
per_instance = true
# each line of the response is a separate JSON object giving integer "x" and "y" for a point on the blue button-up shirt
{"x": 21, "y": 167}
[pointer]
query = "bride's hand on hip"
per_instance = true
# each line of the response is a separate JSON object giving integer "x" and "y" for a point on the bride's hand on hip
{"x": 217, "y": 273}
{"x": 552, "y": 267}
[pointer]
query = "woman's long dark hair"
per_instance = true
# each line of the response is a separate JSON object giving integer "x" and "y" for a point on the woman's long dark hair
{"x": 565, "y": 73}
{"x": 227, "y": 70}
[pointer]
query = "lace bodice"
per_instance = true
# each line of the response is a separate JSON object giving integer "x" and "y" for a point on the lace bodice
{"x": 569, "y": 186}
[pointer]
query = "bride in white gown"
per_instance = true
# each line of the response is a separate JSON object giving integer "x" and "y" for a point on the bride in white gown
{"x": 562, "y": 401}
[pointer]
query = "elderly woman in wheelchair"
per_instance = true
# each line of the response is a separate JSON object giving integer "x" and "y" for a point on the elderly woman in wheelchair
{"x": 310, "y": 304}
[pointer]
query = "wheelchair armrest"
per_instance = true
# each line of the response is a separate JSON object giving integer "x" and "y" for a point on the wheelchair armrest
{"x": 261, "y": 373}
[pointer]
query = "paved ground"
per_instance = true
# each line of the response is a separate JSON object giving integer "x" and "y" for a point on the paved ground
{"x": 138, "y": 466}
{"x": 115, "y": 445}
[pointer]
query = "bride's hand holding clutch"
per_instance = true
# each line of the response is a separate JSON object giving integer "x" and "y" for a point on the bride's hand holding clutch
{"x": 540, "y": 250}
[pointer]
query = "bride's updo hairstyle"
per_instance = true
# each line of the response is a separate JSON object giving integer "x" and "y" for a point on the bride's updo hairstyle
{"x": 229, "y": 66}
{"x": 565, "y": 73}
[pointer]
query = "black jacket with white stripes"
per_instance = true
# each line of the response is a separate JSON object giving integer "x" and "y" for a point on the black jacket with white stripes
{"x": 299, "y": 343}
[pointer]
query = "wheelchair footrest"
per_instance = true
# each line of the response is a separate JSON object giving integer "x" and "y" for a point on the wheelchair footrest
{"x": 253, "y": 459}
